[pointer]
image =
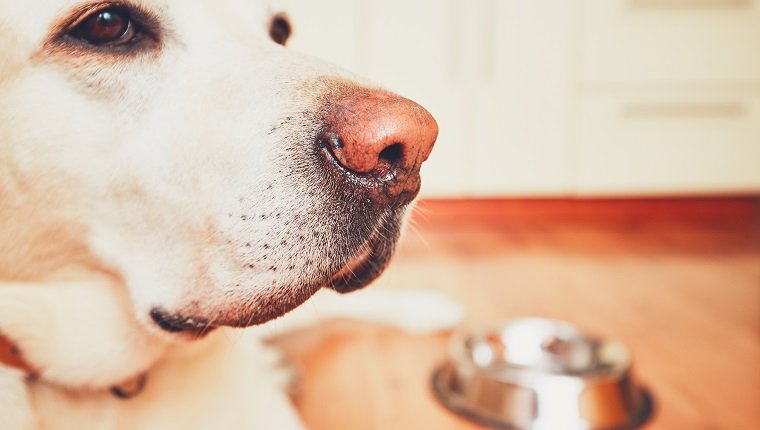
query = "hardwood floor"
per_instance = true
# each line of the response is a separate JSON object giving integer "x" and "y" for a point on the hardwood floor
{"x": 677, "y": 280}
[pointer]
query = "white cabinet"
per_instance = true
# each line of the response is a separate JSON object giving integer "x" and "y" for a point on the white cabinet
{"x": 669, "y": 100}
{"x": 539, "y": 97}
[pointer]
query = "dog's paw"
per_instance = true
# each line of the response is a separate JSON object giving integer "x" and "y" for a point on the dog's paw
{"x": 422, "y": 312}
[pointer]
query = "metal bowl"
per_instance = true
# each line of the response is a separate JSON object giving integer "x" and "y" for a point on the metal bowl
{"x": 541, "y": 374}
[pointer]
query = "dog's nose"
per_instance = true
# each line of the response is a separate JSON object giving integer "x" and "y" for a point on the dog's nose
{"x": 380, "y": 140}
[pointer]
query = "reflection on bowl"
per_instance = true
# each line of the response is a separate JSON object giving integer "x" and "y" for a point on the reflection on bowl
{"x": 541, "y": 374}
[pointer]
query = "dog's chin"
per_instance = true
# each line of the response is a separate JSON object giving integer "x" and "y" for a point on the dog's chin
{"x": 366, "y": 264}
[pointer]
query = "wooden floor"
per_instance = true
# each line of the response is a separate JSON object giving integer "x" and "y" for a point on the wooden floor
{"x": 677, "y": 281}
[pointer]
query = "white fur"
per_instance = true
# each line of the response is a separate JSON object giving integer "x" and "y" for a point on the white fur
{"x": 231, "y": 379}
{"x": 158, "y": 180}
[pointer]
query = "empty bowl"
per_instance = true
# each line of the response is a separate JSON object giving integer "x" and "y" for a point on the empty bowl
{"x": 541, "y": 374}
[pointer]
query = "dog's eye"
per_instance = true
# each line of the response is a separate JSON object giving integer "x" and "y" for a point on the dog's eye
{"x": 109, "y": 26}
{"x": 279, "y": 29}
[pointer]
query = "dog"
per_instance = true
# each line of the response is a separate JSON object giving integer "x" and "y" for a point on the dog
{"x": 169, "y": 171}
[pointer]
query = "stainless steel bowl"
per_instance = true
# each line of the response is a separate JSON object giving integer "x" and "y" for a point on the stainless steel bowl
{"x": 541, "y": 374}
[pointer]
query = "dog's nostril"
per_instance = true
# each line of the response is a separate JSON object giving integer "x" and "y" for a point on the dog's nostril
{"x": 393, "y": 154}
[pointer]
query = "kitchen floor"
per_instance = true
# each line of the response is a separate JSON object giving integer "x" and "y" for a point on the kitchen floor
{"x": 678, "y": 281}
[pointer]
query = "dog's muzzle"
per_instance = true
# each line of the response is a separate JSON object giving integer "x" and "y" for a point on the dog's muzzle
{"x": 369, "y": 147}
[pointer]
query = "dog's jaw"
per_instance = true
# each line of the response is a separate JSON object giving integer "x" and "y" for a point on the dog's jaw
{"x": 242, "y": 305}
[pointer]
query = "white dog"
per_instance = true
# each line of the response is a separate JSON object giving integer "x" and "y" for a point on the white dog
{"x": 168, "y": 170}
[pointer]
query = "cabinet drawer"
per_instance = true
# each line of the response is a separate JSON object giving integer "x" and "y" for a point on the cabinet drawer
{"x": 650, "y": 145}
{"x": 671, "y": 40}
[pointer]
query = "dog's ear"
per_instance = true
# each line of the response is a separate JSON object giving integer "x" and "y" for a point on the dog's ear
{"x": 280, "y": 28}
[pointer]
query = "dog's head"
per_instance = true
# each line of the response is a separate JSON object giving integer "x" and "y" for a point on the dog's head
{"x": 178, "y": 146}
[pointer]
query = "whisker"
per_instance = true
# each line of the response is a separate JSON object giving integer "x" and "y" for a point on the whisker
{"x": 418, "y": 233}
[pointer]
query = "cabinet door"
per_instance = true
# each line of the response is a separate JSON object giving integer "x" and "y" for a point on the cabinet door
{"x": 519, "y": 135}
{"x": 679, "y": 143}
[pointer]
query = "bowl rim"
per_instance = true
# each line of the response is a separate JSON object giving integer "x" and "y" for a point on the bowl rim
{"x": 453, "y": 402}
